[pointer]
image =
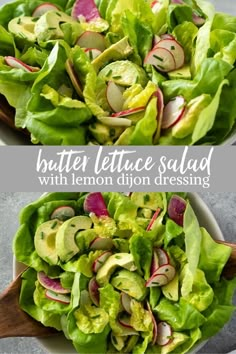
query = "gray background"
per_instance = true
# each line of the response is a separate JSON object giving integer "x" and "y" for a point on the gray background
{"x": 221, "y": 204}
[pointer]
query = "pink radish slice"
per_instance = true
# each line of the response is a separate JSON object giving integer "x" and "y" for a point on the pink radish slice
{"x": 173, "y": 112}
{"x": 155, "y": 216}
{"x": 175, "y": 49}
{"x": 85, "y": 8}
{"x": 198, "y": 20}
{"x": 157, "y": 280}
{"x": 51, "y": 284}
{"x": 125, "y": 321}
{"x": 93, "y": 291}
{"x": 163, "y": 257}
{"x": 177, "y": 2}
{"x": 155, "y": 6}
{"x": 98, "y": 263}
{"x": 94, "y": 203}
{"x": 167, "y": 36}
{"x": 176, "y": 209}
{"x": 154, "y": 337}
{"x": 43, "y": 8}
{"x": 114, "y": 94}
{"x": 128, "y": 112}
{"x": 164, "y": 333}
{"x": 125, "y": 301}
{"x": 166, "y": 269}
{"x": 101, "y": 243}
{"x": 155, "y": 263}
{"x": 92, "y": 53}
{"x": 161, "y": 58}
{"x": 63, "y": 213}
{"x": 74, "y": 78}
{"x": 90, "y": 39}
{"x": 17, "y": 64}
{"x": 57, "y": 297}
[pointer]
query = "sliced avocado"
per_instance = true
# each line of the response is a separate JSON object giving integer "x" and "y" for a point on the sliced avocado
{"x": 182, "y": 73}
{"x": 130, "y": 283}
{"x": 48, "y": 25}
{"x": 44, "y": 241}
{"x": 65, "y": 239}
{"x": 124, "y": 73}
{"x": 124, "y": 260}
{"x": 23, "y": 29}
{"x": 171, "y": 290}
{"x": 151, "y": 200}
{"x": 117, "y": 51}
{"x": 104, "y": 134}
{"x": 187, "y": 123}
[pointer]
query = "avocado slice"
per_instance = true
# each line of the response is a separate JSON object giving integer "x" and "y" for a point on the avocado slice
{"x": 104, "y": 134}
{"x": 171, "y": 289}
{"x": 130, "y": 283}
{"x": 124, "y": 73}
{"x": 124, "y": 260}
{"x": 48, "y": 25}
{"x": 22, "y": 28}
{"x": 182, "y": 73}
{"x": 66, "y": 246}
{"x": 44, "y": 241}
{"x": 117, "y": 51}
{"x": 151, "y": 200}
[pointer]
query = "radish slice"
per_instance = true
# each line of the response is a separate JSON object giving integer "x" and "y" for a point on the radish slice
{"x": 156, "y": 39}
{"x": 164, "y": 333}
{"x": 125, "y": 301}
{"x": 43, "y": 8}
{"x": 98, "y": 263}
{"x": 125, "y": 321}
{"x": 160, "y": 110}
{"x": 18, "y": 64}
{"x": 114, "y": 95}
{"x": 115, "y": 121}
{"x": 163, "y": 257}
{"x": 57, "y": 297}
{"x": 93, "y": 291}
{"x": 175, "y": 49}
{"x": 157, "y": 280}
{"x": 177, "y": 2}
{"x": 155, "y": 263}
{"x": 153, "y": 219}
{"x": 167, "y": 36}
{"x": 94, "y": 203}
{"x": 86, "y": 9}
{"x": 128, "y": 112}
{"x": 176, "y": 209}
{"x": 92, "y": 53}
{"x": 101, "y": 243}
{"x": 63, "y": 213}
{"x": 173, "y": 112}
{"x": 51, "y": 284}
{"x": 198, "y": 20}
{"x": 166, "y": 269}
{"x": 90, "y": 39}
{"x": 155, "y": 6}
{"x": 74, "y": 78}
{"x": 154, "y": 337}
{"x": 161, "y": 58}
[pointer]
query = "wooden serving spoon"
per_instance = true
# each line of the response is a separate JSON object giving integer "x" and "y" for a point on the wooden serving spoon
{"x": 16, "y": 323}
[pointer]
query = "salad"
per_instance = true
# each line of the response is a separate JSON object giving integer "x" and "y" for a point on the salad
{"x": 123, "y": 274}
{"x": 117, "y": 72}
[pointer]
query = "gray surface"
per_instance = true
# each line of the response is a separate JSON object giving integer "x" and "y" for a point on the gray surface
{"x": 223, "y": 206}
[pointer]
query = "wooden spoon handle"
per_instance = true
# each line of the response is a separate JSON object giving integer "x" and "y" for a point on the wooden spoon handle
{"x": 13, "y": 321}
{"x": 229, "y": 270}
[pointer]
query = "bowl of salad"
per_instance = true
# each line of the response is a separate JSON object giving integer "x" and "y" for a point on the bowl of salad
{"x": 79, "y": 72}
{"x": 116, "y": 273}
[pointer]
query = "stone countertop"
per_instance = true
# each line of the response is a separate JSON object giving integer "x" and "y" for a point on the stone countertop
{"x": 223, "y": 206}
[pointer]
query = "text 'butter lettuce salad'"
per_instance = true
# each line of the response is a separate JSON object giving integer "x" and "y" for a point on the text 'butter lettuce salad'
{"x": 119, "y": 72}
{"x": 123, "y": 274}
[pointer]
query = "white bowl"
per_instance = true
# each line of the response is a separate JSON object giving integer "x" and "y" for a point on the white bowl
{"x": 61, "y": 345}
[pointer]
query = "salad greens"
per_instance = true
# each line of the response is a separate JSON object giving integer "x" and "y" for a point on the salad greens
{"x": 123, "y": 274}
{"x": 108, "y": 72}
